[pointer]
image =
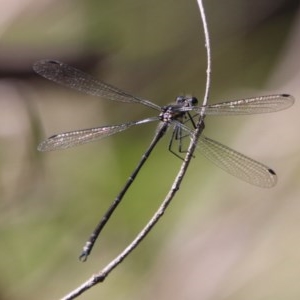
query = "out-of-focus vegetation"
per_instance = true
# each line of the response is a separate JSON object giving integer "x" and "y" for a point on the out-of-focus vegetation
{"x": 221, "y": 238}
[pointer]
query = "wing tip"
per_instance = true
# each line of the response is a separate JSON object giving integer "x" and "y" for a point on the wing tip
{"x": 290, "y": 97}
{"x": 39, "y": 65}
{"x": 271, "y": 182}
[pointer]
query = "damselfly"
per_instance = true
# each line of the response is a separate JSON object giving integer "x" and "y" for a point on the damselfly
{"x": 173, "y": 115}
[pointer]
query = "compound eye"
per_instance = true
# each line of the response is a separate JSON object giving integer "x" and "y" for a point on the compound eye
{"x": 194, "y": 101}
{"x": 180, "y": 99}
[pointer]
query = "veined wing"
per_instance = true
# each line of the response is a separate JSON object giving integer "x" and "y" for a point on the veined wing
{"x": 236, "y": 163}
{"x": 255, "y": 105}
{"x": 79, "y": 137}
{"x": 73, "y": 78}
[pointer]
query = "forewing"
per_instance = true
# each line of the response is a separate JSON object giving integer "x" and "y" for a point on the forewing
{"x": 255, "y": 105}
{"x": 73, "y": 78}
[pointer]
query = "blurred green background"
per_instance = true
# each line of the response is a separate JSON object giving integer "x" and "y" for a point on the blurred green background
{"x": 221, "y": 238}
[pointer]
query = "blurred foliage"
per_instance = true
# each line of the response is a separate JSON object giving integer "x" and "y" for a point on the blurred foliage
{"x": 51, "y": 201}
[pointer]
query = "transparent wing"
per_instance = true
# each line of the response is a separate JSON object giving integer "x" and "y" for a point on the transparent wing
{"x": 73, "y": 78}
{"x": 237, "y": 164}
{"x": 79, "y": 137}
{"x": 255, "y": 105}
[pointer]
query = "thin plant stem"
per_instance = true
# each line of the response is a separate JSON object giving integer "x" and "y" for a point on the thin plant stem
{"x": 101, "y": 275}
{"x": 208, "y": 53}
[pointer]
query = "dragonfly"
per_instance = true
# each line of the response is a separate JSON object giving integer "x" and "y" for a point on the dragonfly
{"x": 175, "y": 116}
